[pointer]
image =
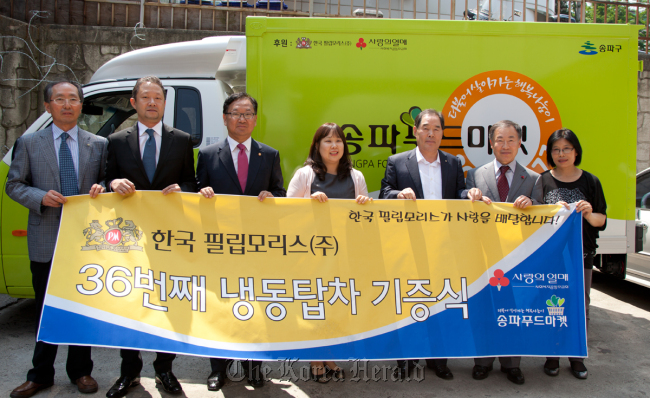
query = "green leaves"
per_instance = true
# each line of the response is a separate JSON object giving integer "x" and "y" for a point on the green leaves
{"x": 555, "y": 301}
{"x": 408, "y": 118}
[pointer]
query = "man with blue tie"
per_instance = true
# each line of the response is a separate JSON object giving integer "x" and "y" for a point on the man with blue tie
{"x": 149, "y": 156}
{"x": 239, "y": 165}
{"x": 47, "y": 166}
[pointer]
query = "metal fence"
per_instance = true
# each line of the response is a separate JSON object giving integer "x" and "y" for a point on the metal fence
{"x": 230, "y": 15}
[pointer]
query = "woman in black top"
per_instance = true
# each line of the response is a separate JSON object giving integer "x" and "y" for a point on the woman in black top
{"x": 565, "y": 184}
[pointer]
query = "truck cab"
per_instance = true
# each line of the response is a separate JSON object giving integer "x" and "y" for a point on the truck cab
{"x": 195, "y": 92}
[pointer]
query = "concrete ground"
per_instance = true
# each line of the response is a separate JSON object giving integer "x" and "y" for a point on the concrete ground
{"x": 619, "y": 362}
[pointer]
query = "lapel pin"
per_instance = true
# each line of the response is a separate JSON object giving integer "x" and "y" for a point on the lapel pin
{"x": 259, "y": 153}
{"x": 522, "y": 177}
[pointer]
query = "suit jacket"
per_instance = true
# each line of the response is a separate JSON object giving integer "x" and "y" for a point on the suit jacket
{"x": 402, "y": 172}
{"x": 484, "y": 178}
{"x": 216, "y": 169}
{"x": 175, "y": 163}
{"x": 35, "y": 170}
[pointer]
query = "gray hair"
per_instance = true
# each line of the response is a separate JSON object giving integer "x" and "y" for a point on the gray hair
{"x": 503, "y": 124}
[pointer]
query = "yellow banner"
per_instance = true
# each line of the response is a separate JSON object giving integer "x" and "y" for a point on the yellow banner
{"x": 235, "y": 274}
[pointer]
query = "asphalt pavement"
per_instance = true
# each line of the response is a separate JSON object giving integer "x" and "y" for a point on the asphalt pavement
{"x": 618, "y": 363}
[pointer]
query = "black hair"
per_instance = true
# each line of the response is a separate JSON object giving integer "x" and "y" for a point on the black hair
{"x": 316, "y": 161}
{"x": 47, "y": 94}
{"x": 237, "y": 96}
{"x": 147, "y": 79}
{"x": 567, "y": 135}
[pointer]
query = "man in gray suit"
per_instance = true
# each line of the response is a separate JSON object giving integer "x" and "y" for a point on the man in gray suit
{"x": 48, "y": 165}
{"x": 502, "y": 180}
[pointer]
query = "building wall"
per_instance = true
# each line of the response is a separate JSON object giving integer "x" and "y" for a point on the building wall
{"x": 60, "y": 51}
{"x": 643, "y": 116}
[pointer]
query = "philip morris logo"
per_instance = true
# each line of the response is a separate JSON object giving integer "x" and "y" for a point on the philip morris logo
{"x": 303, "y": 42}
{"x": 116, "y": 238}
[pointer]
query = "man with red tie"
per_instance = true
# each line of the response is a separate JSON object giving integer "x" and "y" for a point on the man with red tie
{"x": 239, "y": 165}
{"x": 502, "y": 180}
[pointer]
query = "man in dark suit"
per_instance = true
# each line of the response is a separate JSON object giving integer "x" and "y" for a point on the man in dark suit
{"x": 502, "y": 180}
{"x": 149, "y": 156}
{"x": 425, "y": 172}
{"x": 239, "y": 165}
{"x": 48, "y": 165}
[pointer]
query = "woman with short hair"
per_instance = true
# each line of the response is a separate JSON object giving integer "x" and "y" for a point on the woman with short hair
{"x": 565, "y": 183}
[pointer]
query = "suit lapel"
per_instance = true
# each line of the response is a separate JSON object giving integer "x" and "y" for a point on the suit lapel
{"x": 446, "y": 174}
{"x": 518, "y": 179}
{"x": 414, "y": 172}
{"x": 254, "y": 163}
{"x": 166, "y": 144}
{"x": 491, "y": 181}
{"x": 49, "y": 154}
{"x": 134, "y": 145}
{"x": 225, "y": 155}
{"x": 84, "y": 153}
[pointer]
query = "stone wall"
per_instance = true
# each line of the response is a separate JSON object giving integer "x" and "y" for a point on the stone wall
{"x": 60, "y": 51}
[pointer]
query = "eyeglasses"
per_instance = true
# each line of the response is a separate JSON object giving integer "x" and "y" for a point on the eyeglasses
{"x": 62, "y": 101}
{"x": 236, "y": 115}
{"x": 566, "y": 151}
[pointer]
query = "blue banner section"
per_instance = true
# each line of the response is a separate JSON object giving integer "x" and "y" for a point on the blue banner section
{"x": 534, "y": 308}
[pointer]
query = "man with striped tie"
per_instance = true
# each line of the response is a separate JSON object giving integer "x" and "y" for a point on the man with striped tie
{"x": 47, "y": 166}
{"x": 152, "y": 156}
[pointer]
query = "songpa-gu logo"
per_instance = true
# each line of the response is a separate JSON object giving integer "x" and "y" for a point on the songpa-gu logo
{"x": 116, "y": 238}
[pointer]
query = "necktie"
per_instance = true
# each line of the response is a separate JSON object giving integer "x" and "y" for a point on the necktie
{"x": 502, "y": 184}
{"x": 149, "y": 155}
{"x": 67, "y": 174}
{"x": 242, "y": 166}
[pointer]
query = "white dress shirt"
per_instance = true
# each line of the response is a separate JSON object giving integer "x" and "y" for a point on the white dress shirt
{"x": 143, "y": 137}
{"x": 235, "y": 151}
{"x": 430, "y": 176}
{"x": 510, "y": 173}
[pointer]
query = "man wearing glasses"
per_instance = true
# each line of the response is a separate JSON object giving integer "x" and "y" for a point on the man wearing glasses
{"x": 502, "y": 180}
{"x": 47, "y": 166}
{"x": 239, "y": 165}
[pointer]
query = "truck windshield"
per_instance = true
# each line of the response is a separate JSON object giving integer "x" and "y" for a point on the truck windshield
{"x": 103, "y": 114}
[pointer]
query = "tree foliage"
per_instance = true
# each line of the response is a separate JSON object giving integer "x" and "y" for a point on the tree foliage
{"x": 615, "y": 14}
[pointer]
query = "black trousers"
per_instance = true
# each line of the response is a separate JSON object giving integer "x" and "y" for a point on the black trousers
{"x": 588, "y": 270}
{"x": 79, "y": 362}
{"x": 430, "y": 362}
{"x": 132, "y": 362}
{"x": 251, "y": 368}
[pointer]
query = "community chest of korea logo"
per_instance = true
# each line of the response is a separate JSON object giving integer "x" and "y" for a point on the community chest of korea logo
{"x": 115, "y": 238}
{"x": 492, "y": 96}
